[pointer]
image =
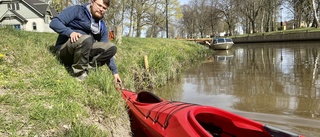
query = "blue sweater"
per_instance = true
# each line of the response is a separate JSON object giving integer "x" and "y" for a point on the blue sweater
{"x": 78, "y": 19}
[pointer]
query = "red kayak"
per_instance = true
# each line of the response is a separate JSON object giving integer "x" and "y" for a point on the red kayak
{"x": 158, "y": 117}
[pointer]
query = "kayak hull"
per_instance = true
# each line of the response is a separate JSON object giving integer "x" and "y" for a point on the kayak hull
{"x": 157, "y": 117}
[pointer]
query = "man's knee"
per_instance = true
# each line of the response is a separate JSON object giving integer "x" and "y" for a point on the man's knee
{"x": 109, "y": 53}
{"x": 85, "y": 41}
{"x": 113, "y": 50}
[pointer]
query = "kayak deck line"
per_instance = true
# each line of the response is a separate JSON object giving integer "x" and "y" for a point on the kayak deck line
{"x": 173, "y": 111}
{"x": 159, "y": 117}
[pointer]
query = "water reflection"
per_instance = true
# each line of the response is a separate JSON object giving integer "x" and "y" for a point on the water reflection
{"x": 281, "y": 79}
{"x": 221, "y": 55}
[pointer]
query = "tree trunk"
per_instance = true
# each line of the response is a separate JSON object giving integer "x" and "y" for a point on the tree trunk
{"x": 315, "y": 14}
{"x": 118, "y": 34}
{"x": 138, "y": 26}
{"x": 253, "y": 26}
{"x": 262, "y": 21}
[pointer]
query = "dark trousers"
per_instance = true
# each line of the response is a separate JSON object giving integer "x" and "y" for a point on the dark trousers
{"x": 86, "y": 54}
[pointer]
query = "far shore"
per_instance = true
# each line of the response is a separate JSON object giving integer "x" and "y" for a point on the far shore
{"x": 301, "y": 34}
{"x": 281, "y": 37}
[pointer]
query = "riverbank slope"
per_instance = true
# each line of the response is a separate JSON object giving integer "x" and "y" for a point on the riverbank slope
{"x": 38, "y": 97}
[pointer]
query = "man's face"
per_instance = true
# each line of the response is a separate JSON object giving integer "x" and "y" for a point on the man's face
{"x": 98, "y": 9}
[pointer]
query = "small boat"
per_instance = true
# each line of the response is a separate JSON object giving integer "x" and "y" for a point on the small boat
{"x": 221, "y": 43}
{"x": 158, "y": 117}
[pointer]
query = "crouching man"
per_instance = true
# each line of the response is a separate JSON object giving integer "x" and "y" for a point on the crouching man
{"x": 83, "y": 41}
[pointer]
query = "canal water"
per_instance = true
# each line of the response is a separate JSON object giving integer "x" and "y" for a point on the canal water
{"x": 274, "y": 83}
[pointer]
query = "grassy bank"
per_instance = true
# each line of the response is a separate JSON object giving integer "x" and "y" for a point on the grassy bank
{"x": 39, "y": 98}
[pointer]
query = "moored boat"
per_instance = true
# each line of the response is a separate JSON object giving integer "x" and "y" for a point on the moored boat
{"x": 221, "y": 43}
{"x": 159, "y": 117}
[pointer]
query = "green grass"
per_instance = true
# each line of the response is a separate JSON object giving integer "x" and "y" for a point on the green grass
{"x": 38, "y": 97}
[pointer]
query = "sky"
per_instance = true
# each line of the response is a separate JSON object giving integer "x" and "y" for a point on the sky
{"x": 183, "y": 2}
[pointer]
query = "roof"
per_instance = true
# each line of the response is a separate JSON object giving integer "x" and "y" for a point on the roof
{"x": 19, "y": 16}
{"x": 54, "y": 12}
{"x": 39, "y": 6}
{"x": 15, "y": 14}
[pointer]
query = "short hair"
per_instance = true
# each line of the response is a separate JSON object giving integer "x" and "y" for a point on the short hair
{"x": 107, "y": 2}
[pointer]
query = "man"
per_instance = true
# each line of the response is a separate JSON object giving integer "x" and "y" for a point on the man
{"x": 79, "y": 27}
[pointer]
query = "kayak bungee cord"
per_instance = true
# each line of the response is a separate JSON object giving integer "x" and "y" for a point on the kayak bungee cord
{"x": 170, "y": 114}
{"x": 173, "y": 110}
{"x": 162, "y": 105}
{"x": 160, "y": 111}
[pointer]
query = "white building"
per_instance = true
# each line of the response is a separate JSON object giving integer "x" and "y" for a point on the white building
{"x": 29, "y": 15}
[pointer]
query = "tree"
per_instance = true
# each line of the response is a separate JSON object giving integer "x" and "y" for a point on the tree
{"x": 315, "y": 8}
{"x": 189, "y": 20}
{"x": 251, "y": 9}
{"x": 59, "y": 5}
{"x": 271, "y": 7}
{"x": 116, "y": 12}
{"x": 201, "y": 12}
{"x": 227, "y": 7}
{"x": 215, "y": 16}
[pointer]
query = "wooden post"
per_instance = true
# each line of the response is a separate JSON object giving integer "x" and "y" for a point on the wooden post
{"x": 146, "y": 64}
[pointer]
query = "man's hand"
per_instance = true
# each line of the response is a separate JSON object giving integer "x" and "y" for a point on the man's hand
{"x": 117, "y": 79}
{"x": 117, "y": 82}
{"x": 74, "y": 36}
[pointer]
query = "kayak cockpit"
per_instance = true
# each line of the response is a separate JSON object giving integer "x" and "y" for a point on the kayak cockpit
{"x": 216, "y": 122}
{"x": 148, "y": 97}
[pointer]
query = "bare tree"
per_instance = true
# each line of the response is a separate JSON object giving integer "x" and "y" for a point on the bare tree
{"x": 270, "y": 9}
{"x": 131, "y": 12}
{"x": 201, "y": 14}
{"x": 215, "y": 16}
{"x": 189, "y": 20}
{"x": 59, "y": 5}
{"x": 227, "y": 7}
{"x": 315, "y": 8}
{"x": 251, "y": 9}
{"x": 116, "y": 12}
{"x": 296, "y": 7}
{"x": 142, "y": 7}
{"x": 156, "y": 19}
